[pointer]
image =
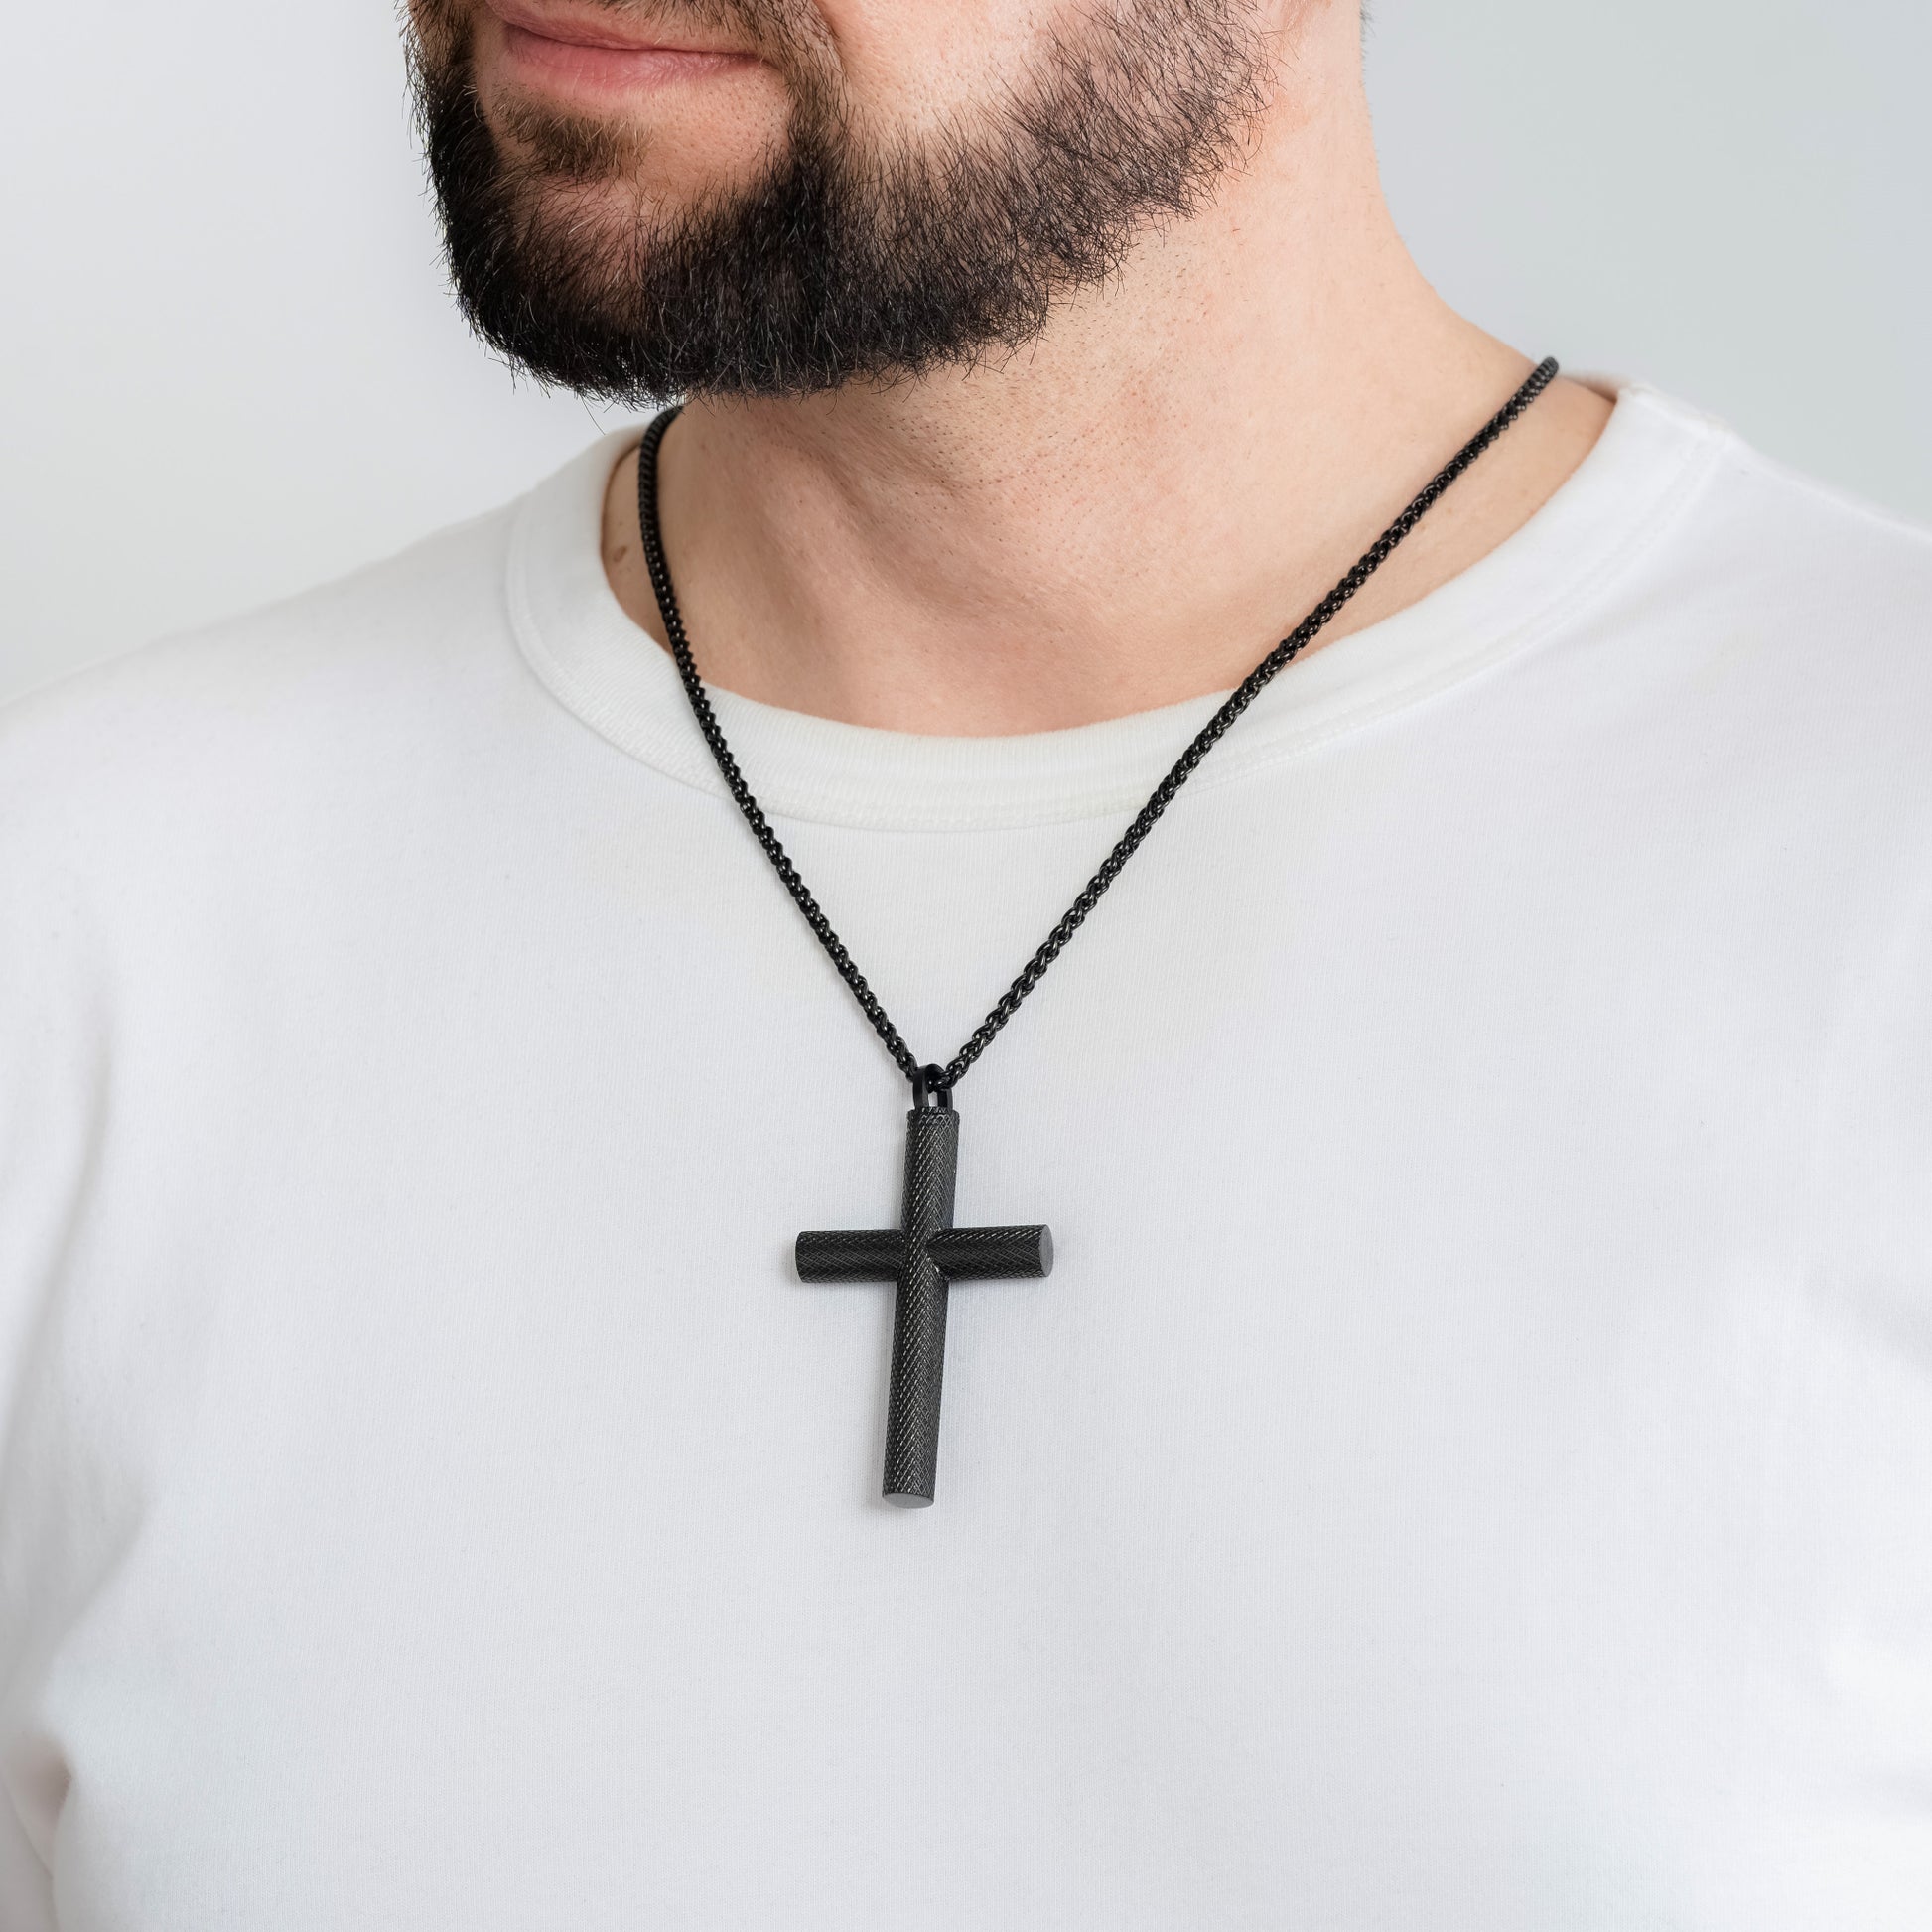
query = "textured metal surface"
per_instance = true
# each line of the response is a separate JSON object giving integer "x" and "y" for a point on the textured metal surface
{"x": 920, "y": 1315}
{"x": 859, "y": 1255}
{"x": 1130, "y": 841}
{"x": 922, "y": 1257}
{"x": 993, "y": 1253}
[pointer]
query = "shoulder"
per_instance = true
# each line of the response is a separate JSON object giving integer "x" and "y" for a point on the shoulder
{"x": 165, "y": 706}
{"x": 1784, "y": 554}
{"x": 1766, "y": 694}
{"x": 303, "y": 706}
{"x": 1774, "y": 626}
{"x": 161, "y": 806}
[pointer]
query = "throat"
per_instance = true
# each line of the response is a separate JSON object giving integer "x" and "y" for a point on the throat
{"x": 961, "y": 624}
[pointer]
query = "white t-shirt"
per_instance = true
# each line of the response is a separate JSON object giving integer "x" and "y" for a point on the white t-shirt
{"x": 1469, "y": 1470}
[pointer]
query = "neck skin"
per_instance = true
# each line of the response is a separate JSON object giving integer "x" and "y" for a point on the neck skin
{"x": 1133, "y": 510}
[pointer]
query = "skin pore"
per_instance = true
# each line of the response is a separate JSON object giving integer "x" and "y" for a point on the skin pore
{"x": 1129, "y": 510}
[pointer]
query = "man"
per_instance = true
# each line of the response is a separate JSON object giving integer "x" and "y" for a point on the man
{"x": 1467, "y": 1464}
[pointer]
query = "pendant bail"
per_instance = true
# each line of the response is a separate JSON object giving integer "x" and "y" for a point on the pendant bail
{"x": 931, "y": 1088}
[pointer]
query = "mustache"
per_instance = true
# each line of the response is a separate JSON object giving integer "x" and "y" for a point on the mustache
{"x": 781, "y": 30}
{"x": 535, "y": 139}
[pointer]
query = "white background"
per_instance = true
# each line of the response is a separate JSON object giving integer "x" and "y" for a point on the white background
{"x": 228, "y": 366}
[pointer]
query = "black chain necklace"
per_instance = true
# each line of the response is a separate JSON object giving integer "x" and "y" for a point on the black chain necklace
{"x": 926, "y": 1253}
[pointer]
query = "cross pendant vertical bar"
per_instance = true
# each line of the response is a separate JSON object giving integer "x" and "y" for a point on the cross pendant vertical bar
{"x": 924, "y": 1256}
{"x": 920, "y": 1308}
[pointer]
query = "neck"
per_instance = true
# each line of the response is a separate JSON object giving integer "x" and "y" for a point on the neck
{"x": 1133, "y": 508}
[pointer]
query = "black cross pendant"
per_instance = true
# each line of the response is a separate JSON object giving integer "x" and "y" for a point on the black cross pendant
{"x": 924, "y": 1256}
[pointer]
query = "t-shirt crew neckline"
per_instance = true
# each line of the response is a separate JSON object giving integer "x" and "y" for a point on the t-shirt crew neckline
{"x": 1645, "y": 468}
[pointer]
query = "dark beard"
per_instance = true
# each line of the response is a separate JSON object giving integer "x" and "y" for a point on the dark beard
{"x": 836, "y": 264}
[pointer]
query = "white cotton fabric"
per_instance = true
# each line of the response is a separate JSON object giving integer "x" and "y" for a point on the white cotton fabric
{"x": 1469, "y": 1470}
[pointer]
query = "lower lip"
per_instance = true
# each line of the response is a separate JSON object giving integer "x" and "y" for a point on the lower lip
{"x": 572, "y": 65}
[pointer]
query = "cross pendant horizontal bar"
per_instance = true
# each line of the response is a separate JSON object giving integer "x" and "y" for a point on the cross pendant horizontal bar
{"x": 962, "y": 1253}
{"x": 924, "y": 1256}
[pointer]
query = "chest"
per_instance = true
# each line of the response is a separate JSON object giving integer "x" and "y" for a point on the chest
{"x": 1366, "y": 1519}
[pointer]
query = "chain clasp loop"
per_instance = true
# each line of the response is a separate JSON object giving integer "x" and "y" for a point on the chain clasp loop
{"x": 931, "y": 1088}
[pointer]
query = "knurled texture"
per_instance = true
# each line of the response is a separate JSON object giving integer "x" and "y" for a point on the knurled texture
{"x": 850, "y": 1254}
{"x": 931, "y": 1165}
{"x": 919, "y": 1318}
{"x": 993, "y": 1253}
{"x": 919, "y": 1370}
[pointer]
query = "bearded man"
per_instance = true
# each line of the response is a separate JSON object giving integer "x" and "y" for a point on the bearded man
{"x": 1444, "y": 855}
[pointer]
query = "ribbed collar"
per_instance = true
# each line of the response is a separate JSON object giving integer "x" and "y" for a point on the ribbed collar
{"x": 1644, "y": 469}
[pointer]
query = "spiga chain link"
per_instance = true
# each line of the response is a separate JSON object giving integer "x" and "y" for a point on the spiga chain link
{"x": 1130, "y": 842}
